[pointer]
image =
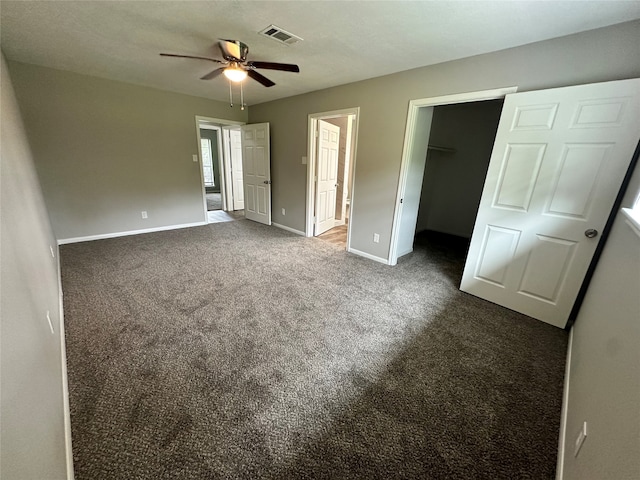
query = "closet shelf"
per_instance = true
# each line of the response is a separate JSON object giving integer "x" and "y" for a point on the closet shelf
{"x": 438, "y": 148}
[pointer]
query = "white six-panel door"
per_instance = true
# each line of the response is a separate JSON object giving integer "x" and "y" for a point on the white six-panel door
{"x": 327, "y": 171}
{"x": 235, "y": 153}
{"x": 558, "y": 162}
{"x": 256, "y": 171}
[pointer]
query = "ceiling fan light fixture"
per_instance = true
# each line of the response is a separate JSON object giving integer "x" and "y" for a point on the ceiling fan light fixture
{"x": 235, "y": 74}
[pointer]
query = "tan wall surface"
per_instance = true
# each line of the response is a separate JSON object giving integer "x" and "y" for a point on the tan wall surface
{"x": 32, "y": 433}
{"x": 106, "y": 150}
{"x": 610, "y": 53}
{"x": 604, "y": 383}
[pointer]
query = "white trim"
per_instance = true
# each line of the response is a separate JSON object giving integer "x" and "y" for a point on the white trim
{"x": 633, "y": 219}
{"x": 402, "y": 254}
{"x": 565, "y": 405}
{"x": 368, "y": 255}
{"x": 211, "y": 123}
{"x": 288, "y": 229}
{"x": 217, "y": 121}
{"x": 65, "y": 382}
{"x": 409, "y": 135}
{"x": 64, "y": 241}
{"x": 311, "y": 164}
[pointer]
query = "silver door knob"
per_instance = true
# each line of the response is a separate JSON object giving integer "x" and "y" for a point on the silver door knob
{"x": 591, "y": 233}
{"x": 267, "y": 182}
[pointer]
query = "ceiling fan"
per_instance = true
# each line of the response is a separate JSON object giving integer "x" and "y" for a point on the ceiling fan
{"x": 236, "y": 67}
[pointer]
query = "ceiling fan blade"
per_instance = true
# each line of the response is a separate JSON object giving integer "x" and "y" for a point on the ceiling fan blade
{"x": 285, "y": 67}
{"x": 212, "y": 74}
{"x": 191, "y": 56}
{"x": 260, "y": 78}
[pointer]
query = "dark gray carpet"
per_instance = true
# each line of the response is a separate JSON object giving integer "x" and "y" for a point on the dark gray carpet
{"x": 240, "y": 351}
{"x": 214, "y": 201}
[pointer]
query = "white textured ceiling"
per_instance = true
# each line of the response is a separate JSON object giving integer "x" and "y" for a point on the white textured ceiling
{"x": 344, "y": 41}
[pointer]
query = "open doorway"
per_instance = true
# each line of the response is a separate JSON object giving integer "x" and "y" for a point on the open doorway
{"x": 221, "y": 169}
{"x": 424, "y": 164}
{"x": 330, "y": 174}
{"x": 211, "y": 152}
{"x": 460, "y": 145}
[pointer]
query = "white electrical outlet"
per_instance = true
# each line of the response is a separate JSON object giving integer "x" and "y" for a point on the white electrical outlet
{"x": 304, "y": 160}
{"x": 144, "y": 214}
{"x": 376, "y": 238}
{"x": 49, "y": 320}
{"x": 283, "y": 212}
{"x": 52, "y": 252}
{"x": 580, "y": 440}
{"x": 194, "y": 157}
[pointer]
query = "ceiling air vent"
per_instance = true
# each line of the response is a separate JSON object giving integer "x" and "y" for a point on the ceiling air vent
{"x": 280, "y": 35}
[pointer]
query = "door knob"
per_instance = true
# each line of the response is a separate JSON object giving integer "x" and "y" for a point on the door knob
{"x": 591, "y": 233}
{"x": 267, "y": 182}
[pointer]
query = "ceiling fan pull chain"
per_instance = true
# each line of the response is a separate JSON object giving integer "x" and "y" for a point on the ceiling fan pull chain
{"x": 230, "y": 95}
{"x": 241, "y": 97}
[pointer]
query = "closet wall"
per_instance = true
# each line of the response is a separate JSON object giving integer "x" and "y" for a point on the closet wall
{"x": 453, "y": 179}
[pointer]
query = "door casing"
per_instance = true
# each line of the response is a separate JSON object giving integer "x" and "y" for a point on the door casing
{"x": 219, "y": 123}
{"x": 412, "y": 138}
{"x": 312, "y": 164}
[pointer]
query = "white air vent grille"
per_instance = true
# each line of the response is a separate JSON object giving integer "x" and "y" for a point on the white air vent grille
{"x": 280, "y": 35}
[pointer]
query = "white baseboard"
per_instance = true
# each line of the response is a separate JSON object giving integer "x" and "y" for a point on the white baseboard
{"x": 288, "y": 229}
{"x": 65, "y": 382}
{"x": 563, "y": 416}
{"x": 64, "y": 241}
{"x": 369, "y": 256}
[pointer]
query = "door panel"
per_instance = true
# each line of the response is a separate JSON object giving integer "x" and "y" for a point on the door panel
{"x": 518, "y": 176}
{"x": 327, "y": 155}
{"x": 237, "y": 185}
{"x": 557, "y": 165}
{"x": 256, "y": 172}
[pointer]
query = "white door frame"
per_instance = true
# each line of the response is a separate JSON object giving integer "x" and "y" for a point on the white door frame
{"x": 215, "y": 123}
{"x": 228, "y": 169}
{"x": 312, "y": 164}
{"x": 410, "y": 136}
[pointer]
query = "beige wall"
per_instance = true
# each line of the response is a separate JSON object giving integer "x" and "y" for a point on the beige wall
{"x": 32, "y": 434}
{"x": 107, "y": 150}
{"x": 610, "y": 53}
{"x": 604, "y": 380}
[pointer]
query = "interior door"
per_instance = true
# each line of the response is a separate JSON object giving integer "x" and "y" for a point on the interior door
{"x": 235, "y": 155}
{"x": 326, "y": 189}
{"x": 256, "y": 172}
{"x": 558, "y": 162}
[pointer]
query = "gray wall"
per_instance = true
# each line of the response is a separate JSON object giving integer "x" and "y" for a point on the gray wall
{"x": 610, "y": 53}
{"x": 32, "y": 437}
{"x": 604, "y": 380}
{"x": 107, "y": 150}
{"x": 453, "y": 181}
